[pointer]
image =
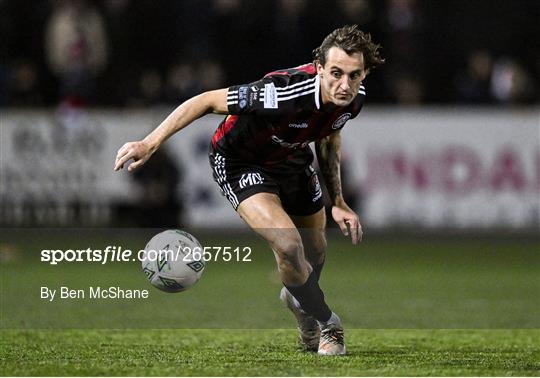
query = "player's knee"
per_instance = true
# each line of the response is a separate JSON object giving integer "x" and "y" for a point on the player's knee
{"x": 291, "y": 262}
{"x": 289, "y": 250}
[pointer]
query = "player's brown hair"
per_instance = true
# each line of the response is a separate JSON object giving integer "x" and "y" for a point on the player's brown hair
{"x": 352, "y": 40}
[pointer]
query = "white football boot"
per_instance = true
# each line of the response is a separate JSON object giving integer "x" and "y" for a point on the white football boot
{"x": 308, "y": 327}
{"x": 332, "y": 340}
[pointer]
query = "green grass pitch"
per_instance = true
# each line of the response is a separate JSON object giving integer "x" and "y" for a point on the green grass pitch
{"x": 429, "y": 306}
{"x": 268, "y": 353}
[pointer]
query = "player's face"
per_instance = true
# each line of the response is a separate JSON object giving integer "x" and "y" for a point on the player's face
{"x": 341, "y": 76}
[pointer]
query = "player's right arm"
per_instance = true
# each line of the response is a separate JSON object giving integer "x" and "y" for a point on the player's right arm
{"x": 192, "y": 109}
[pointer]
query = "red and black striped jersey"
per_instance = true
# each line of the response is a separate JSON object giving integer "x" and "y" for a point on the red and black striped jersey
{"x": 274, "y": 119}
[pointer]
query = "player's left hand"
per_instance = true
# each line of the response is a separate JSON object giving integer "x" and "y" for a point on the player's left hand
{"x": 348, "y": 222}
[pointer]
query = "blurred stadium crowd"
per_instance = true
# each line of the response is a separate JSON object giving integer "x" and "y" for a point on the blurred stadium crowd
{"x": 125, "y": 53}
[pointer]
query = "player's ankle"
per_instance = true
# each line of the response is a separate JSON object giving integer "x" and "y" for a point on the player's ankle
{"x": 334, "y": 320}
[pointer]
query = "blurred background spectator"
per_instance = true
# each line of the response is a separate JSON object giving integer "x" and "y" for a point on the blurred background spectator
{"x": 473, "y": 84}
{"x": 510, "y": 82}
{"x": 76, "y": 47}
{"x": 139, "y": 53}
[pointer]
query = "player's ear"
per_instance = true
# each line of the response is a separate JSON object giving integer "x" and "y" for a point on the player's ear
{"x": 319, "y": 67}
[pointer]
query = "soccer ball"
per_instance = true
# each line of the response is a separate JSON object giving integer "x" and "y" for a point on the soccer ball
{"x": 172, "y": 261}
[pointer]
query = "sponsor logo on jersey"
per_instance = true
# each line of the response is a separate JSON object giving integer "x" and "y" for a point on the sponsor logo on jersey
{"x": 270, "y": 96}
{"x": 282, "y": 143}
{"x": 302, "y": 125}
{"x": 340, "y": 122}
{"x": 242, "y": 97}
{"x": 253, "y": 96}
{"x": 249, "y": 179}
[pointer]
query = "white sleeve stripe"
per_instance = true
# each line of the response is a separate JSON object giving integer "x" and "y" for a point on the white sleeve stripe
{"x": 231, "y": 97}
{"x": 317, "y": 91}
{"x": 305, "y": 87}
{"x": 312, "y": 90}
{"x": 308, "y": 81}
{"x": 292, "y": 94}
{"x": 362, "y": 92}
{"x": 232, "y": 102}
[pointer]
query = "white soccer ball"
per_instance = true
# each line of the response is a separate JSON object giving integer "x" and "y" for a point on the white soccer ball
{"x": 172, "y": 261}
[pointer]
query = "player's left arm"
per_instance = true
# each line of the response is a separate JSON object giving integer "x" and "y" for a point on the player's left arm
{"x": 329, "y": 156}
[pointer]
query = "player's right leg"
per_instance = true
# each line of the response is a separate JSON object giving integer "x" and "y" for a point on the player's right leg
{"x": 309, "y": 332}
{"x": 253, "y": 194}
{"x": 265, "y": 215}
{"x": 263, "y": 212}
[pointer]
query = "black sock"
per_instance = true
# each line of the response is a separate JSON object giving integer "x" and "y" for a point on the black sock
{"x": 317, "y": 268}
{"x": 311, "y": 298}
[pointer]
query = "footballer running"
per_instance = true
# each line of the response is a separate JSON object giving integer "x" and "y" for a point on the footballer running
{"x": 261, "y": 160}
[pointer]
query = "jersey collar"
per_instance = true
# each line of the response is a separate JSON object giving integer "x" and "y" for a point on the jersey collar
{"x": 317, "y": 91}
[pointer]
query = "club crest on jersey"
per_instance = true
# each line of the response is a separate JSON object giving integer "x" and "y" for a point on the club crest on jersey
{"x": 315, "y": 187}
{"x": 249, "y": 179}
{"x": 340, "y": 122}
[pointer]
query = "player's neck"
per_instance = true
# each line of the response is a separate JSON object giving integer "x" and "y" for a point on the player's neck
{"x": 329, "y": 107}
{"x": 326, "y": 105}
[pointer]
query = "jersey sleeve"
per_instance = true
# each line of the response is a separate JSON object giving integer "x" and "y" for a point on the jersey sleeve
{"x": 268, "y": 96}
{"x": 257, "y": 97}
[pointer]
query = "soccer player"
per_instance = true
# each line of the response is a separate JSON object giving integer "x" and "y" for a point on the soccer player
{"x": 261, "y": 160}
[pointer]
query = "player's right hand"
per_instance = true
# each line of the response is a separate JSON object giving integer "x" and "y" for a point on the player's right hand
{"x": 139, "y": 151}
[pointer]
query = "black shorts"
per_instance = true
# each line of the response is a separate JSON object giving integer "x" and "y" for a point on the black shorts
{"x": 299, "y": 191}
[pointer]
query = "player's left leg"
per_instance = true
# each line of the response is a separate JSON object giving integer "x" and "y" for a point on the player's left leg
{"x": 301, "y": 195}
{"x": 312, "y": 230}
